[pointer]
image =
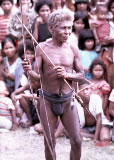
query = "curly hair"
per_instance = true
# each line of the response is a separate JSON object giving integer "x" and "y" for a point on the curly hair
{"x": 59, "y": 16}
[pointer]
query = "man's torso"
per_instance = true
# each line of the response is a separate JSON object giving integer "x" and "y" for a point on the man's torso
{"x": 60, "y": 56}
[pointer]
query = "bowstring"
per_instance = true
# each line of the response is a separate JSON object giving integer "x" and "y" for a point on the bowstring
{"x": 45, "y": 112}
{"x": 34, "y": 102}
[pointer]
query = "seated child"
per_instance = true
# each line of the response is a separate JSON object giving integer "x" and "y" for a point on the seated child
{"x": 26, "y": 103}
{"x": 92, "y": 112}
{"x": 7, "y": 109}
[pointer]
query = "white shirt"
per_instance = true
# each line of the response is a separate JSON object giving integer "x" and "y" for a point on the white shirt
{"x": 95, "y": 105}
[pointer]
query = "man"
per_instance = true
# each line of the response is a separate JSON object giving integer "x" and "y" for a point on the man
{"x": 55, "y": 98}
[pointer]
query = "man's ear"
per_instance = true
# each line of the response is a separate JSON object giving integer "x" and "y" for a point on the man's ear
{"x": 50, "y": 29}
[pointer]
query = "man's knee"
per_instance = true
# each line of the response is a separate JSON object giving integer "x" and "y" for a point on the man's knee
{"x": 76, "y": 142}
{"x": 50, "y": 142}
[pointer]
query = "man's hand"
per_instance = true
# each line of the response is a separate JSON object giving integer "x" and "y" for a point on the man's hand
{"x": 60, "y": 71}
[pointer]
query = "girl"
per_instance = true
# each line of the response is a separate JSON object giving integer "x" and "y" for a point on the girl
{"x": 80, "y": 22}
{"x": 11, "y": 60}
{"x": 82, "y": 5}
{"x": 40, "y": 26}
{"x": 102, "y": 88}
{"x": 87, "y": 49}
{"x": 98, "y": 71}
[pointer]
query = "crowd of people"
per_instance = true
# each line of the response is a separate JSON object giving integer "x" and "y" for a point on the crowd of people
{"x": 62, "y": 83}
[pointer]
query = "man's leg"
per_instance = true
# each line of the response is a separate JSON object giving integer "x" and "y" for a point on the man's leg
{"x": 49, "y": 121}
{"x": 70, "y": 121}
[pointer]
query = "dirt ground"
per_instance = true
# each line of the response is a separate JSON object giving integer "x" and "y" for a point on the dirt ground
{"x": 22, "y": 145}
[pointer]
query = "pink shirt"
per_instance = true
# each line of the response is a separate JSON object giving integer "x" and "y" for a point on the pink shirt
{"x": 102, "y": 29}
{"x": 100, "y": 88}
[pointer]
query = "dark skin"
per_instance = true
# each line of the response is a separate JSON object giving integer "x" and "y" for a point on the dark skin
{"x": 65, "y": 58}
{"x": 89, "y": 119}
{"x": 23, "y": 98}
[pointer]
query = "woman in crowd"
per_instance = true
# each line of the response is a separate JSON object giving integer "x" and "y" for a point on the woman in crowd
{"x": 40, "y": 27}
{"x": 80, "y": 22}
{"x": 12, "y": 61}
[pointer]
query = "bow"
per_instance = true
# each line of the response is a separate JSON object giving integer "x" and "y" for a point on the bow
{"x": 34, "y": 102}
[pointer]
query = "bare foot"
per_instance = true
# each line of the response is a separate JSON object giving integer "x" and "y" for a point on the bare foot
{"x": 25, "y": 124}
{"x": 38, "y": 128}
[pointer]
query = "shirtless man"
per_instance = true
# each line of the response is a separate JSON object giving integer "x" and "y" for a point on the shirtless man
{"x": 55, "y": 98}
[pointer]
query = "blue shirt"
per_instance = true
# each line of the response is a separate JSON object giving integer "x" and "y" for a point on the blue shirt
{"x": 86, "y": 59}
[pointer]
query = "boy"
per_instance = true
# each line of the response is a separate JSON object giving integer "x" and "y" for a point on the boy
{"x": 26, "y": 103}
{"x": 7, "y": 109}
{"x": 92, "y": 111}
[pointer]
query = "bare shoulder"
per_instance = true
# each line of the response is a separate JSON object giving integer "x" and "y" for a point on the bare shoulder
{"x": 75, "y": 50}
{"x": 40, "y": 48}
{"x": 43, "y": 46}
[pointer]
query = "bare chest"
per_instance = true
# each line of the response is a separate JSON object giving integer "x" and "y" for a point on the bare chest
{"x": 59, "y": 57}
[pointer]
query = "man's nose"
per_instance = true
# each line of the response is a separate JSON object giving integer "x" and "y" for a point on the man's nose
{"x": 67, "y": 31}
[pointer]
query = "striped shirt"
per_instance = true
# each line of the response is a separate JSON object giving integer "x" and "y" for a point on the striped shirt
{"x": 5, "y": 106}
{"x": 3, "y": 26}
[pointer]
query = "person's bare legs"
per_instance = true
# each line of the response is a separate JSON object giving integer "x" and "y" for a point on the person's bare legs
{"x": 111, "y": 112}
{"x": 105, "y": 134}
{"x": 25, "y": 106}
{"x": 71, "y": 123}
{"x": 38, "y": 128}
{"x": 85, "y": 133}
{"x": 49, "y": 129}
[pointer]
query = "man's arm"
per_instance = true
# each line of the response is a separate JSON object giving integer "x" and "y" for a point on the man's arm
{"x": 79, "y": 72}
{"x": 76, "y": 75}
